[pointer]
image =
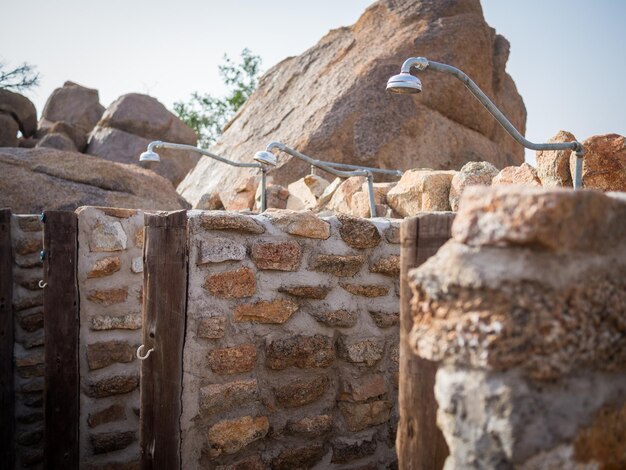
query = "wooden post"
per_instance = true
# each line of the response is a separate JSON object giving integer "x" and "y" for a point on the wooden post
{"x": 61, "y": 327}
{"x": 7, "y": 393}
{"x": 164, "y": 318}
{"x": 419, "y": 442}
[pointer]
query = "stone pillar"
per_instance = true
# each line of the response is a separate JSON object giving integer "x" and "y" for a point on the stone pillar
{"x": 525, "y": 308}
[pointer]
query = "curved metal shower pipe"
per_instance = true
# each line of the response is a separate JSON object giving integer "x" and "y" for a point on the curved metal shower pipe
{"x": 326, "y": 166}
{"x": 172, "y": 145}
{"x": 421, "y": 63}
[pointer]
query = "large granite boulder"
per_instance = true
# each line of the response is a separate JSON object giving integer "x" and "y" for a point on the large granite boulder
{"x": 21, "y": 109}
{"x": 131, "y": 123}
{"x": 330, "y": 102}
{"x": 43, "y": 178}
{"x": 73, "y": 104}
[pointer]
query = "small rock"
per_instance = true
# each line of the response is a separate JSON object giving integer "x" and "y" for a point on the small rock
{"x": 523, "y": 174}
{"x": 341, "y": 201}
{"x": 217, "y": 398}
{"x": 210, "y": 202}
{"x": 108, "y": 296}
{"x": 329, "y": 192}
{"x": 31, "y": 321}
{"x": 365, "y": 290}
{"x": 254, "y": 462}
{"x": 279, "y": 256}
{"x": 359, "y": 416}
{"x": 363, "y": 388}
{"x": 361, "y": 351}
{"x": 303, "y": 224}
{"x": 392, "y": 234}
{"x": 300, "y": 392}
{"x": 233, "y": 360}
{"x": 136, "y": 265}
{"x": 110, "y": 414}
{"x": 553, "y": 165}
{"x": 387, "y": 265}
{"x": 303, "y": 194}
{"x": 311, "y": 426}
{"x": 219, "y": 249}
{"x": 228, "y": 220}
{"x": 116, "y": 385}
{"x": 107, "y": 236}
{"x": 307, "y": 292}
{"x": 105, "y": 442}
{"x": 231, "y": 284}
{"x": 243, "y": 196}
{"x": 339, "y": 265}
{"x": 211, "y": 328}
{"x": 300, "y": 351}
{"x": 276, "y": 197}
{"x": 232, "y": 435}
{"x": 420, "y": 191}
{"x": 275, "y": 311}
{"x": 103, "y": 354}
{"x": 385, "y": 319}
{"x": 300, "y": 457}
{"x": 130, "y": 321}
{"x": 56, "y": 140}
{"x": 105, "y": 267}
{"x": 336, "y": 318}
{"x": 358, "y": 233}
{"x": 346, "y": 450}
{"x": 472, "y": 173}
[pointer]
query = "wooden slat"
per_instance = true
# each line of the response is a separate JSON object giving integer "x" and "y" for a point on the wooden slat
{"x": 61, "y": 328}
{"x": 419, "y": 443}
{"x": 164, "y": 315}
{"x": 7, "y": 397}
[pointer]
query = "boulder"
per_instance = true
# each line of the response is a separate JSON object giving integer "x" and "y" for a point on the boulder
{"x": 61, "y": 127}
{"x": 43, "y": 178}
{"x": 210, "y": 202}
{"x": 74, "y": 104}
{"x": 604, "y": 163}
{"x": 524, "y": 174}
{"x": 131, "y": 123}
{"x": 421, "y": 190}
{"x": 56, "y": 140}
{"x": 304, "y": 193}
{"x": 471, "y": 174}
{"x": 22, "y": 110}
{"x": 341, "y": 201}
{"x": 553, "y": 165}
{"x": 330, "y": 102}
{"x": 8, "y": 130}
{"x": 118, "y": 146}
{"x": 243, "y": 197}
{"x": 146, "y": 117}
{"x": 277, "y": 197}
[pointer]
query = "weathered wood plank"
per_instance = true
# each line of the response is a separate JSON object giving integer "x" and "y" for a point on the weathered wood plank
{"x": 419, "y": 443}
{"x": 164, "y": 317}
{"x": 61, "y": 329}
{"x": 7, "y": 393}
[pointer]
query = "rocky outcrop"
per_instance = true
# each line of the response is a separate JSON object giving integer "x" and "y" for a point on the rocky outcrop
{"x": 131, "y": 123}
{"x": 41, "y": 178}
{"x": 21, "y": 109}
{"x": 330, "y": 102}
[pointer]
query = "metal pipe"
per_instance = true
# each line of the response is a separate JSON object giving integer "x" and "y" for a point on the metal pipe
{"x": 263, "y": 168}
{"x": 333, "y": 171}
{"x": 422, "y": 63}
{"x": 357, "y": 167}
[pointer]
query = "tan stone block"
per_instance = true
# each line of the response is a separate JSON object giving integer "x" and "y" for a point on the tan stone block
{"x": 233, "y": 360}
{"x": 219, "y": 249}
{"x": 359, "y": 416}
{"x": 311, "y": 426}
{"x": 105, "y": 442}
{"x": 115, "y": 385}
{"x": 275, "y": 311}
{"x": 471, "y": 174}
{"x": 231, "y": 284}
{"x": 29, "y": 223}
{"x": 229, "y": 220}
{"x": 105, "y": 353}
{"x": 392, "y": 233}
{"x": 130, "y": 321}
{"x": 385, "y": 319}
{"x": 279, "y": 256}
{"x": 300, "y": 351}
{"x": 300, "y": 223}
{"x": 108, "y": 296}
{"x": 307, "y": 292}
{"x": 211, "y": 328}
{"x": 216, "y": 398}
{"x": 107, "y": 235}
{"x": 232, "y": 435}
{"x": 358, "y": 233}
{"x": 387, "y": 265}
{"x": 523, "y": 175}
{"x": 105, "y": 267}
{"x": 336, "y": 318}
{"x": 338, "y": 265}
{"x": 347, "y": 449}
{"x": 28, "y": 245}
{"x": 300, "y": 392}
{"x": 421, "y": 190}
{"x": 365, "y": 290}
{"x": 363, "y": 388}
{"x": 31, "y": 321}
{"x": 361, "y": 351}
{"x": 139, "y": 238}
{"x": 110, "y": 414}
{"x": 299, "y": 457}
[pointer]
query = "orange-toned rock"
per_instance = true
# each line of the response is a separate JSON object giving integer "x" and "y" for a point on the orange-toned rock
{"x": 275, "y": 311}
{"x": 365, "y": 290}
{"x": 278, "y": 256}
{"x": 231, "y": 284}
{"x": 604, "y": 163}
{"x": 421, "y": 190}
{"x": 523, "y": 174}
{"x": 301, "y": 223}
{"x": 105, "y": 267}
{"x": 232, "y": 435}
{"x": 553, "y": 165}
{"x": 108, "y": 296}
{"x": 233, "y": 360}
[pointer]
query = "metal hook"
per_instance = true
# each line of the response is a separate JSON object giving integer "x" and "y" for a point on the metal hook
{"x": 139, "y": 353}
{"x": 42, "y": 284}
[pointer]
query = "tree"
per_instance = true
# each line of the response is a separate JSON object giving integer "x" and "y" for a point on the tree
{"x": 207, "y": 114}
{"x": 20, "y": 78}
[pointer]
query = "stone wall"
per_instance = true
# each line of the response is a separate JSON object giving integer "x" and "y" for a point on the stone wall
{"x": 110, "y": 280}
{"x": 291, "y": 348}
{"x": 27, "y": 240}
{"x": 525, "y": 308}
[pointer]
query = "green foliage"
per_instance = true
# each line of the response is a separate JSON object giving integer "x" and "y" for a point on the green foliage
{"x": 20, "y": 78}
{"x": 207, "y": 114}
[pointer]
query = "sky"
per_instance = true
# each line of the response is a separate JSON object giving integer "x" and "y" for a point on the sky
{"x": 568, "y": 57}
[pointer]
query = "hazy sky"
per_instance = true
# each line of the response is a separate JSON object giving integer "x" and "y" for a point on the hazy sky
{"x": 568, "y": 57}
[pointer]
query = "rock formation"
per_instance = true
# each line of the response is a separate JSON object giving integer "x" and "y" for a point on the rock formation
{"x": 330, "y": 102}
{"x": 131, "y": 123}
{"x": 36, "y": 179}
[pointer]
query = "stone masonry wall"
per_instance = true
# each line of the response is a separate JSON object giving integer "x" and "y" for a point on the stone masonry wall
{"x": 28, "y": 353}
{"x": 526, "y": 310}
{"x": 291, "y": 348}
{"x": 110, "y": 266}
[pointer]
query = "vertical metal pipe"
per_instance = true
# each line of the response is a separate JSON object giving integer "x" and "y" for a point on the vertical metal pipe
{"x": 263, "y": 190}
{"x": 578, "y": 172}
{"x": 370, "y": 187}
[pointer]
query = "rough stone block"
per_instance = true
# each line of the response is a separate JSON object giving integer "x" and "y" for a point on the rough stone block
{"x": 365, "y": 290}
{"x": 108, "y": 296}
{"x": 392, "y": 233}
{"x": 279, "y": 256}
{"x": 216, "y": 398}
{"x": 115, "y": 385}
{"x": 519, "y": 175}
{"x": 387, "y": 265}
{"x": 385, "y": 319}
{"x": 303, "y": 224}
{"x": 110, "y": 414}
{"x": 363, "y": 388}
{"x": 347, "y": 450}
{"x": 359, "y": 416}
{"x": 300, "y": 457}
{"x": 130, "y": 321}
{"x": 471, "y": 174}
{"x": 107, "y": 235}
{"x": 358, "y": 233}
{"x": 311, "y": 426}
{"x": 219, "y": 249}
{"x": 105, "y": 267}
{"x": 336, "y": 318}
{"x": 361, "y": 351}
{"x": 338, "y": 265}
{"x": 106, "y": 442}
{"x": 31, "y": 321}
{"x": 307, "y": 292}
{"x": 300, "y": 392}
{"x": 103, "y": 354}
{"x": 232, "y": 435}
{"x": 275, "y": 311}
{"x": 229, "y": 220}
{"x": 604, "y": 163}
{"x": 233, "y": 360}
{"x": 300, "y": 351}
{"x": 136, "y": 265}
{"x": 211, "y": 328}
{"x": 254, "y": 462}
{"x": 231, "y": 284}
